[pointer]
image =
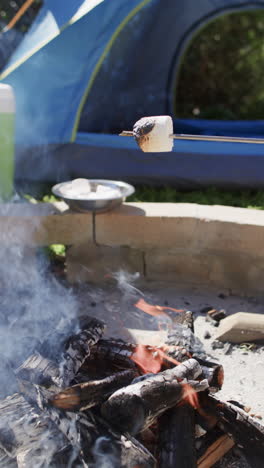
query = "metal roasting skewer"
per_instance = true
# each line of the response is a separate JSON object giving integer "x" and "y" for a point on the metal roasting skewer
{"x": 226, "y": 139}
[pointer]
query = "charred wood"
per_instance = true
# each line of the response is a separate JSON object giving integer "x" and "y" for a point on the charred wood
{"x": 89, "y": 394}
{"x": 133, "y": 454}
{"x": 23, "y": 427}
{"x": 181, "y": 336}
{"x": 213, "y": 446}
{"x": 106, "y": 358}
{"x": 135, "y": 407}
{"x": 38, "y": 457}
{"x": 6, "y": 461}
{"x": 39, "y": 370}
{"x": 44, "y": 371}
{"x": 214, "y": 373}
{"x": 246, "y": 431}
{"x": 56, "y": 343}
{"x": 187, "y": 320}
{"x": 183, "y": 344}
{"x": 177, "y": 438}
{"x": 78, "y": 348}
{"x": 176, "y": 444}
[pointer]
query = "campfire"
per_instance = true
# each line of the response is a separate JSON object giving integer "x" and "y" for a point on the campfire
{"x": 90, "y": 400}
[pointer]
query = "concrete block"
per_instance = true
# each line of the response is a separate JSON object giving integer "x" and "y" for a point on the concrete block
{"x": 147, "y": 225}
{"x": 173, "y": 225}
{"x": 241, "y": 327}
{"x": 88, "y": 262}
{"x": 228, "y": 237}
{"x": 43, "y": 224}
{"x": 237, "y": 272}
{"x": 182, "y": 266}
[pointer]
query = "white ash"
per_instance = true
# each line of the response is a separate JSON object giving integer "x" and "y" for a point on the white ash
{"x": 82, "y": 189}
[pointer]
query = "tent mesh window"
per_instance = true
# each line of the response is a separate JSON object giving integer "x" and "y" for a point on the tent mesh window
{"x": 221, "y": 74}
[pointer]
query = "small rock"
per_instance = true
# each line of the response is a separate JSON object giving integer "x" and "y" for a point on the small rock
{"x": 207, "y": 335}
{"x": 222, "y": 296}
{"x": 228, "y": 348}
{"x": 217, "y": 315}
{"x": 217, "y": 344}
{"x": 204, "y": 310}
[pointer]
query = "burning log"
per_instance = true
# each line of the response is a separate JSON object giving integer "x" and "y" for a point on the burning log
{"x": 116, "y": 353}
{"x": 214, "y": 373}
{"x": 182, "y": 338}
{"x": 177, "y": 438}
{"x": 216, "y": 450}
{"x": 234, "y": 421}
{"x": 79, "y": 428}
{"x": 135, "y": 407}
{"x": 78, "y": 347}
{"x": 134, "y": 454}
{"x": 39, "y": 370}
{"x": 89, "y": 394}
{"x": 129, "y": 452}
{"x": 183, "y": 344}
{"x": 177, "y": 427}
{"x": 28, "y": 434}
{"x": 6, "y": 461}
{"x": 44, "y": 371}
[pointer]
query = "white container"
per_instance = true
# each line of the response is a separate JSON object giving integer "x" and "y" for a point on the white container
{"x": 7, "y": 125}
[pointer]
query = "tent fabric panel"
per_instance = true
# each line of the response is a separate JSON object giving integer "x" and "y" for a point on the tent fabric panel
{"x": 189, "y": 166}
{"x": 139, "y": 70}
{"x": 243, "y": 128}
{"x": 61, "y": 71}
{"x": 47, "y": 24}
{"x": 132, "y": 80}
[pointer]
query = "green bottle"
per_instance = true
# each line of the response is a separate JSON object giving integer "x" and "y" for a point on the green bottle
{"x": 7, "y": 146}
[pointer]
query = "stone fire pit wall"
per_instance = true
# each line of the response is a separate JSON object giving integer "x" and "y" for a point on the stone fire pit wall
{"x": 192, "y": 244}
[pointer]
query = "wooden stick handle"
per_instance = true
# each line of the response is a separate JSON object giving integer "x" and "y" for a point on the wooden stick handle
{"x": 18, "y": 15}
{"x": 126, "y": 133}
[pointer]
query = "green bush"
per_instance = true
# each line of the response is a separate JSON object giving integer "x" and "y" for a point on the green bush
{"x": 210, "y": 196}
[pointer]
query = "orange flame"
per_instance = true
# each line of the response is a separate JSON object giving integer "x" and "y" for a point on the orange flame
{"x": 155, "y": 310}
{"x": 146, "y": 359}
{"x": 151, "y": 359}
{"x": 190, "y": 396}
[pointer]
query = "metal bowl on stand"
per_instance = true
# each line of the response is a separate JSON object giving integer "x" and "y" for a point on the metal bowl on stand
{"x": 113, "y": 194}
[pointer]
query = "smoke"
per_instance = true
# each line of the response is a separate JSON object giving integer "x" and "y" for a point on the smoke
{"x": 105, "y": 454}
{"x": 32, "y": 304}
{"x": 125, "y": 283}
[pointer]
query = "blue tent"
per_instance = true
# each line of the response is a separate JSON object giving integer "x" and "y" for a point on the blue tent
{"x": 90, "y": 68}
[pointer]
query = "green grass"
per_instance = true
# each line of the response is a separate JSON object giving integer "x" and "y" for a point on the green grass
{"x": 211, "y": 196}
